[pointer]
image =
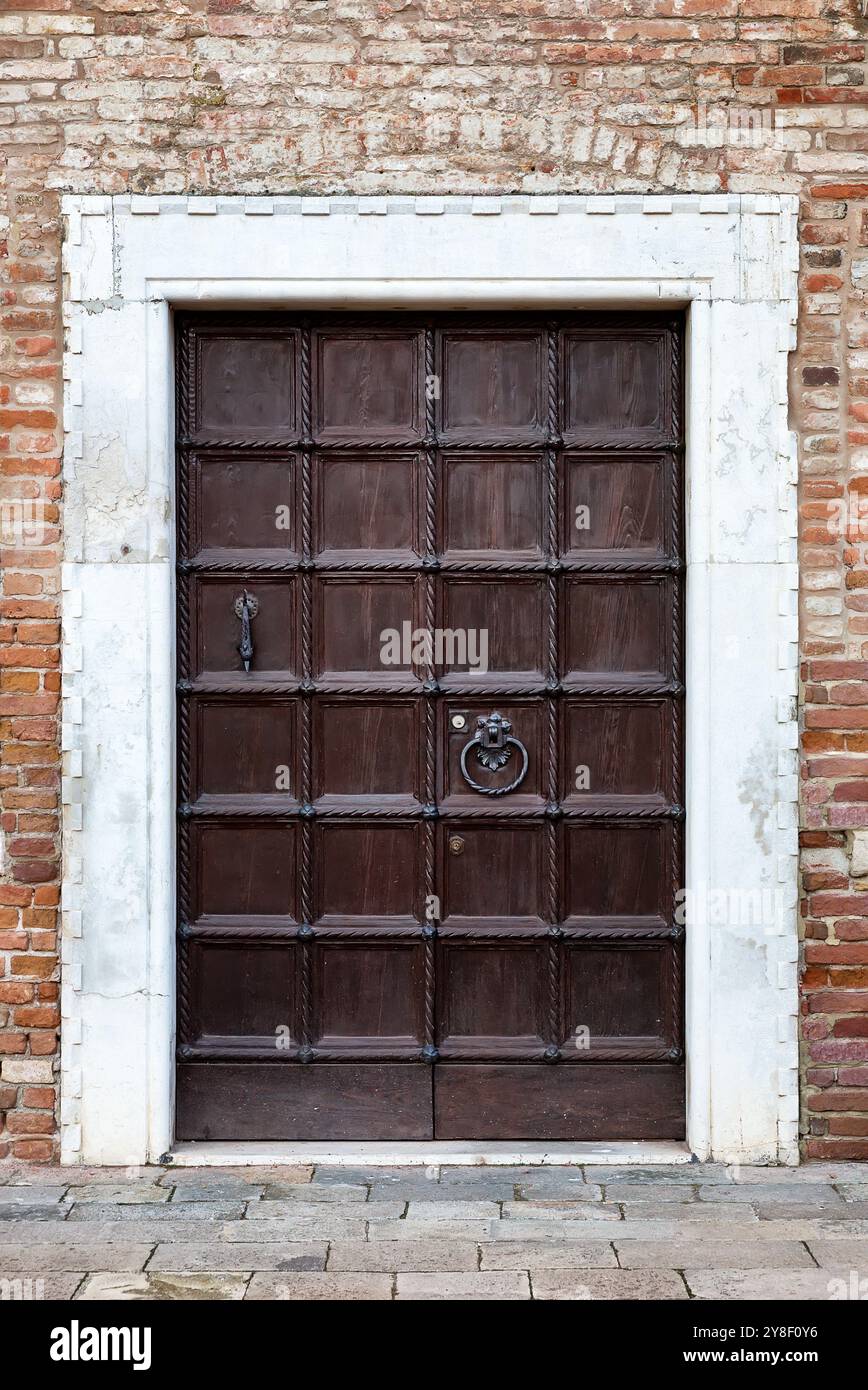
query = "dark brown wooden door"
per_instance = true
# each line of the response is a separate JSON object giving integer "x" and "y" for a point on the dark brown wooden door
{"x": 428, "y": 884}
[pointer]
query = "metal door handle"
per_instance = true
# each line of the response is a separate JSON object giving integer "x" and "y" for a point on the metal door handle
{"x": 246, "y": 608}
{"x": 493, "y": 742}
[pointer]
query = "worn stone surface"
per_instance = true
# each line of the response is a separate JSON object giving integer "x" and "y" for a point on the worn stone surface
{"x": 164, "y": 1288}
{"x": 366, "y": 1248}
{"x": 345, "y": 1288}
{"x": 501, "y": 1286}
{"x": 166, "y": 1212}
{"x": 34, "y": 1288}
{"x": 389, "y": 1257}
{"x": 125, "y": 1194}
{"x": 56, "y": 1257}
{"x": 274, "y": 1255}
{"x": 607, "y": 1284}
{"x": 530, "y": 1254}
{"x": 639, "y": 1254}
{"x": 761, "y": 1285}
{"x": 310, "y": 1193}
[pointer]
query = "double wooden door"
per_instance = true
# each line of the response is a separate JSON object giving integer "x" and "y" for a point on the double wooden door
{"x": 429, "y": 726}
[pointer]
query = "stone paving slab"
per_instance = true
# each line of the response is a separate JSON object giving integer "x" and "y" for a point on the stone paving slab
{"x": 37, "y": 1259}
{"x": 388, "y": 1257}
{"x": 531, "y": 1254}
{"x": 52, "y": 1214}
{"x": 607, "y": 1284}
{"x": 327, "y": 1227}
{"x": 260, "y": 1174}
{"x": 651, "y": 1193}
{"x": 838, "y": 1252}
{"x": 805, "y": 1173}
{"x": 271, "y": 1255}
{"x": 232, "y": 1190}
{"x": 112, "y": 1232}
{"x": 812, "y": 1211}
{"x": 648, "y": 1176}
{"x": 453, "y": 1211}
{"x": 708, "y": 1214}
{"x": 439, "y": 1230}
{"x": 819, "y": 1193}
{"x": 501, "y": 1286}
{"x": 761, "y": 1285}
{"x": 25, "y": 1195}
{"x": 125, "y": 1193}
{"x": 308, "y": 1192}
{"x": 538, "y": 1210}
{"x": 853, "y": 1191}
{"x": 640, "y": 1254}
{"x": 322, "y": 1211}
{"x": 346, "y": 1288}
{"x": 134, "y": 1212}
{"x": 39, "y": 1287}
{"x": 170, "y": 1288}
{"x": 439, "y": 1192}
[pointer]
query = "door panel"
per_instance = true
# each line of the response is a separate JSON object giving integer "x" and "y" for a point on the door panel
{"x": 430, "y": 662}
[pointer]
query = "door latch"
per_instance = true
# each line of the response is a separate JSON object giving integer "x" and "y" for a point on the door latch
{"x": 246, "y": 608}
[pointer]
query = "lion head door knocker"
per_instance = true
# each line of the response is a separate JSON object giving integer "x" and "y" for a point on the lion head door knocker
{"x": 493, "y": 744}
{"x": 246, "y": 608}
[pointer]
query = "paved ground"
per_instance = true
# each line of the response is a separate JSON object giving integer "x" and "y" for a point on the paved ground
{"x": 699, "y": 1231}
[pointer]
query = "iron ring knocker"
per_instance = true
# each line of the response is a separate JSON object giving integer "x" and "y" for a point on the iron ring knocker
{"x": 494, "y": 743}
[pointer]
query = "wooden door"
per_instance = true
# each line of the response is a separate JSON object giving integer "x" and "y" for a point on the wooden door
{"x": 429, "y": 727}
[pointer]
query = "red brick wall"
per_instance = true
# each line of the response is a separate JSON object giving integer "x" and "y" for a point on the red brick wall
{"x": 443, "y": 96}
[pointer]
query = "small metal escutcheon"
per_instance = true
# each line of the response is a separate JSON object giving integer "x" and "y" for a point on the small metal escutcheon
{"x": 456, "y": 844}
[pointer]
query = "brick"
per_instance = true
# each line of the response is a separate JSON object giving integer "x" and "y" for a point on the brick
{"x": 84, "y": 102}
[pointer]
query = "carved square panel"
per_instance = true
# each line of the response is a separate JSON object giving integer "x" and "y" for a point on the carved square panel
{"x": 615, "y": 993}
{"x": 368, "y": 993}
{"x": 615, "y": 628}
{"x": 371, "y": 748}
{"x": 244, "y": 502}
{"x": 245, "y": 868}
{"x": 615, "y": 748}
{"x": 367, "y": 502}
{"x": 368, "y": 382}
{"x": 491, "y": 995}
{"x": 247, "y": 382}
{"x": 246, "y": 749}
{"x": 218, "y": 629}
{"x": 615, "y": 383}
{"x": 359, "y": 625}
{"x": 492, "y": 872}
{"x": 614, "y": 504}
{"x": 617, "y": 870}
{"x": 492, "y": 382}
{"x": 529, "y": 720}
{"x": 499, "y": 624}
{"x": 368, "y": 873}
{"x": 243, "y": 991}
{"x": 493, "y": 504}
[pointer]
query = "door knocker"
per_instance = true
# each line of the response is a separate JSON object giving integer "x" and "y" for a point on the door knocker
{"x": 246, "y": 608}
{"x": 494, "y": 743}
